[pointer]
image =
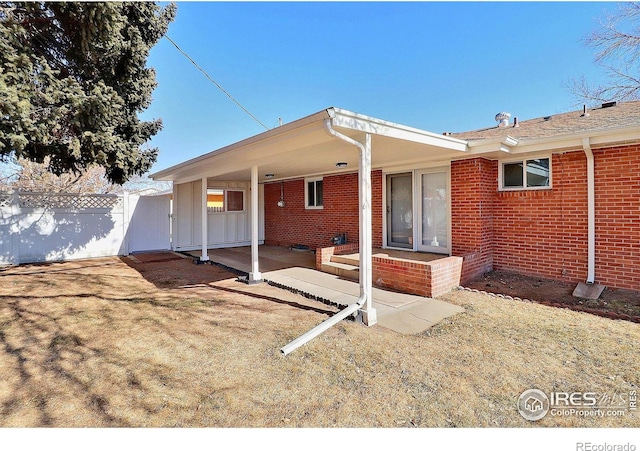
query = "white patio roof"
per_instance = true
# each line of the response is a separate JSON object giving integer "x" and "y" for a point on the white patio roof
{"x": 305, "y": 148}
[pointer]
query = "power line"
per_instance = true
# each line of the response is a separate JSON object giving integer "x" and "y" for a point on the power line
{"x": 213, "y": 81}
{"x": 208, "y": 76}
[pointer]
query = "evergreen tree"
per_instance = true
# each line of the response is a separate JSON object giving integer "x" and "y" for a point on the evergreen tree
{"x": 73, "y": 79}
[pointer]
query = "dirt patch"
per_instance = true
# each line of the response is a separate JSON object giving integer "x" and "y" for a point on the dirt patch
{"x": 169, "y": 270}
{"x": 614, "y": 303}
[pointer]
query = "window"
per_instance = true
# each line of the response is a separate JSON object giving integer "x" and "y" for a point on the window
{"x": 220, "y": 201}
{"x": 313, "y": 193}
{"x": 235, "y": 200}
{"x": 215, "y": 200}
{"x": 526, "y": 174}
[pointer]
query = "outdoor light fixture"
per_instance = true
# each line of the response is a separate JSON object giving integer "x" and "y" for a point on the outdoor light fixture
{"x": 269, "y": 176}
{"x": 281, "y": 201}
{"x": 341, "y": 164}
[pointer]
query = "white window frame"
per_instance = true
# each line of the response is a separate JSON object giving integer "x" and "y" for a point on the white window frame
{"x": 306, "y": 193}
{"x": 524, "y": 161}
{"x": 226, "y": 200}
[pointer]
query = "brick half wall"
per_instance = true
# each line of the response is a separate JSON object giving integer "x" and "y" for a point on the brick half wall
{"x": 430, "y": 279}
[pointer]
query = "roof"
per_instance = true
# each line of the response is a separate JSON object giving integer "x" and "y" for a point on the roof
{"x": 305, "y": 148}
{"x": 614, "y": 115}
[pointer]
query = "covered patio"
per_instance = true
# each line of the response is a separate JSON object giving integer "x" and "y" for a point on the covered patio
{"x": 330, "y": 142}
{"x": 296, "y": 271}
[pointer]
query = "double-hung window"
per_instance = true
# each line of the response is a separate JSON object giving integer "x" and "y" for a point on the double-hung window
{"x": 534, "y": 173}
{"x": 313, "y": 193}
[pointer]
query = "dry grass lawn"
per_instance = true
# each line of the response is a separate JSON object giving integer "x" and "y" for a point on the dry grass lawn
{"x": 104, "y": 343}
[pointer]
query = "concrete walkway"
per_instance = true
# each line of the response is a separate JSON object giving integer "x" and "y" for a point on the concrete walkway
{"x": 404, "y": 313}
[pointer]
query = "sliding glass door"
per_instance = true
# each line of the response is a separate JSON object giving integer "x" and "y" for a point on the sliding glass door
{"x": 400, "y": 210}
{"x": 434, "y": 212}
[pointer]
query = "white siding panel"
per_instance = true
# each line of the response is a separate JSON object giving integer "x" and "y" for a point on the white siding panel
{"x": 216, "y": 228}
{"x": 231, "y": 235}
{"x": 184, "y": 215}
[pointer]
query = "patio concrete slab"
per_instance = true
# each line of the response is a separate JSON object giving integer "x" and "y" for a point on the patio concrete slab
{"x": 404, "y": 313}
{"x": 271, "y": 258}
{"x": 401, "y": 312}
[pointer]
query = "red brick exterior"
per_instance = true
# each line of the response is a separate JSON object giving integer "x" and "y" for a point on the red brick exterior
{"x": 473, "y": 188}
{"x": 294, "y": 224}
{"x": 433, "y": 278}
{"x": 537, "y": 232}
{"x": 544, "y": 232}
{"x": 324, "y": 254}
{"x": 618, "y": 216}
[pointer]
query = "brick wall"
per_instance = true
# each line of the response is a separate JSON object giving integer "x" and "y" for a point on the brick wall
{"x": 433, "y": 278}
{"x": 544, "y": 232}
{"x": 294, "y": 224}
{"x": 473, "y": 188}
{"x": 540, "y": 232}
{"x": 618, "y": 216}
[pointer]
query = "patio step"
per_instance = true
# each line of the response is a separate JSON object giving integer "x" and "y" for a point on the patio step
{"x": 341, "y": 270}
{"x": 347, "y": 259}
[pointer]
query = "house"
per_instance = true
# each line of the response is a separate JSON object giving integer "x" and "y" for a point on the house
{"x": 533, "y": 404}
{"x": 557, "y": 196}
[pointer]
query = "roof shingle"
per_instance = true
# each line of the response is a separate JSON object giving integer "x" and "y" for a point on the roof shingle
{"x": 622, "y": 114}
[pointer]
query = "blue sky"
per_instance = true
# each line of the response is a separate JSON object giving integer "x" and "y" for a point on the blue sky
{"x": 436, "y": 66}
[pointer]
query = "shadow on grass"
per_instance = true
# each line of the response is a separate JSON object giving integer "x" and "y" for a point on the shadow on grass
{"x": 69, "y": 350}
{"x": 38, "y": 346}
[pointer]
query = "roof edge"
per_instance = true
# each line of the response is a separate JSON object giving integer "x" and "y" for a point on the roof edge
{"x": 266, "y": 135}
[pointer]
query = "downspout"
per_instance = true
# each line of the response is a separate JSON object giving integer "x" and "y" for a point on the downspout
{"x": 591, "y": 212}
{"x": 365, "y": 249}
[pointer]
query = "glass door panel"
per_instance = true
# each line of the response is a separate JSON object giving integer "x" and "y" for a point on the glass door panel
{"x": 434, "y": 213}
{"x": 400, "y": 210}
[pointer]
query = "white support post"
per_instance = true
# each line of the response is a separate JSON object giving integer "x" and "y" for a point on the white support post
{"x": 254, "y": 275}
{"x": 369, "y": 316}
{"x": 205, "y": 219}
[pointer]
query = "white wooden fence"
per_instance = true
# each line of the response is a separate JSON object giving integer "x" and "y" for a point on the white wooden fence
{"x": 42, "y": 227}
